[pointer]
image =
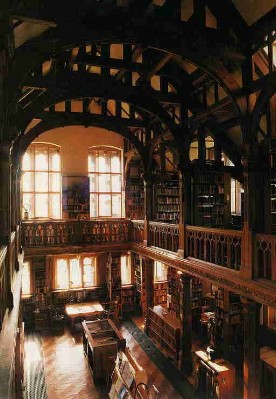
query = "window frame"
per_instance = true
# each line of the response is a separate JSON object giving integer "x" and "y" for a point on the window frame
{"x": 34, "y": 173}
{"x": 160, "y": 264}
{"x": 24, "y": 276}
{"x": 128, "y": 264}
{"x": 96, "y": 173}
{"x": 80, "y": 260}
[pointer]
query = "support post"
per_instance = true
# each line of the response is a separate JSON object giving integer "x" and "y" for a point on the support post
{"x": 251, "y": 365}
{"x": 186, "y": 318}
{"x": 149, "y": 282}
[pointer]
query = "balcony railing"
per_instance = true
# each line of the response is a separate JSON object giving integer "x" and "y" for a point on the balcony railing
{"x": 51, "y": 233}
{"x": 265, "y": 257}
{"x": 164, "y": 235}
{"x": 221, "y": 247}
{"x": 138, "y": 227}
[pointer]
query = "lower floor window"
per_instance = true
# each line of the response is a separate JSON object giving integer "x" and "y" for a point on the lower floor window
{"x": 75, "y": 272}
{"x": 26, "y": 279}
{"x": 160, "y": 271}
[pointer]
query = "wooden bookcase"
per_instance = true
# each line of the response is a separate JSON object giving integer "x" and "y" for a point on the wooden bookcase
{"x": 114, "y": 283}
{"x": 166, "y": 200}
{"x": 273, "y": 190}
{"x": 211, "y": 195}
{"x": 128, "y": 298}
{"x": 164, "y": 329}
{"x": 134, "y": 191}
{"x": 140, "y": 282}
{"x": 160, "y": 291}
{"x": 229, "y": 322}
{"x": 173, "y": 299}
{"x": 75, "y": 197}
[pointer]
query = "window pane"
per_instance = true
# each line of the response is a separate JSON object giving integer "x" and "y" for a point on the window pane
{"x": 116, "y": 183}
{"x": 54, "y": 202}
{"x": 26, "y": 279}
{"x": 125, "y": 270}
{"x": 104, "y": 205}
{"x": 75, "y": 273}
{"x": 93, "y": 205}
{"x": 27, "y": 163}
{"x": 91, "y": 163}
{"x": 54, "y": 182}
{"x": 41, "y": 159}
{"x": 88, "y": 272}
{"x": 116, "y": 205}
{"x": 104, "y": 184}
{"x": 54, "y": 160}
{"x": 93, "y": 182}
{"x": 62, "y": 280}
{"x": 41, "y": 182}
{"x": 28, "y": 204}
{"x": 103, "y": 162}
{"x": 115, "y": 163}
{"x": 160, "y": 271}
{"x": 28, "y": 181}
{"x": 41, "y": 205}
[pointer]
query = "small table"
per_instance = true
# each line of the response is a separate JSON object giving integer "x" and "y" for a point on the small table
{"x": 75, "y": 310}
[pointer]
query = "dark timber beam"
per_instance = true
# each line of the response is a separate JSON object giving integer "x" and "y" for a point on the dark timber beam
{"x": 90, "y": 119}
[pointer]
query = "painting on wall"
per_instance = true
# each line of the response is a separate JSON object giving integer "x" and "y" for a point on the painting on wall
{"x": 75, "y": 197}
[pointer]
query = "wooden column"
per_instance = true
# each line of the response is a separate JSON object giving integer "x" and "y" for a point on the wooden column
{"x": 149, "y": 282}
{"x": 5, "y": 190}
{"x": 148, "y": 198}
{"x": 255, "y": 182}
{"x": 251, "y": 365}
{"x": 186, "y": 318}
{"x": 185, "y": 203}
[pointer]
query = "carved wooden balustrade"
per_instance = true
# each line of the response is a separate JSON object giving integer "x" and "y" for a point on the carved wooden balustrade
{"x": 265, "y": 257}
{"x": 36, "y": 233}
{"x": 164, "y": 235}
{"x": 138, "y": 228}
{"x": 221, "y": 247}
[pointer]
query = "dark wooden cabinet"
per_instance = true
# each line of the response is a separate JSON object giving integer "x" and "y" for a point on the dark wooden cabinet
{"x": 101, "y": 342}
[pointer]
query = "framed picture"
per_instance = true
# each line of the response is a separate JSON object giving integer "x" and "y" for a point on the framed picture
{"x": 75, "y": 197}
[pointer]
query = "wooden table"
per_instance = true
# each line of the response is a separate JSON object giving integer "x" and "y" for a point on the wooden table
{"x": 82, "y": 310}
{"x": 101, "y": 342}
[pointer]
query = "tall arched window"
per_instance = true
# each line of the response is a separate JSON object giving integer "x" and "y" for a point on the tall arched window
{"x": 105, "y": 176}
{"x": 41, "y": 182}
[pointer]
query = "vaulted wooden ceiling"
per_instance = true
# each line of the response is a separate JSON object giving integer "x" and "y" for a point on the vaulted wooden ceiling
{"x": 150, "y": 70}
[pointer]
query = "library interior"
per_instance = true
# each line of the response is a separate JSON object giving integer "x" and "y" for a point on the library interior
{"x": 138, "y": 199}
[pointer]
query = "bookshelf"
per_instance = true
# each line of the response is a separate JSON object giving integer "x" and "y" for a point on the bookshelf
{"x": 164, "y": 330}
{"x": 114, "y": 282}
{"x": 128, "y": 298}
{"x": 166, "y": 195}
{"x": 228, "y": 322}
{"x": 134, "y": 191}
{"x": 160, "y": 291}
{"x": 211, "y": 195}
{"x": 139, "y": 282}
{"x": 75, "y": 197}
{"x": 273, "y": 192}
{"x": 173, "y": 299}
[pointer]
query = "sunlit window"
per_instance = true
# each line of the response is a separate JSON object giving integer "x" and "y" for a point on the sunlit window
{"x": 105, "y": 176}
{"x": 160, "y": 271}
{"x": 26, "y": 279}
{"x": 126, "y": 270}
{"x": 41, "y": 182}
{"x": 75, "y": 272}
{"x": 236, "y": 192}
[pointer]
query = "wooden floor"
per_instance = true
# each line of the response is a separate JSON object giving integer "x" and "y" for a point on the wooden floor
{"x": 68, "y": 376}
